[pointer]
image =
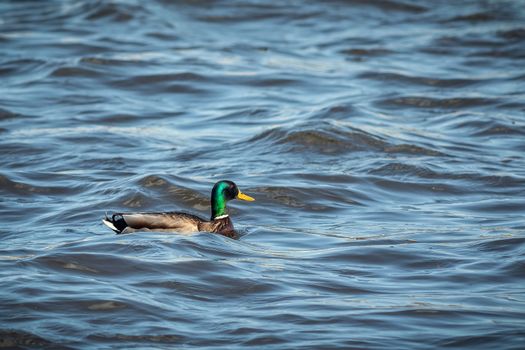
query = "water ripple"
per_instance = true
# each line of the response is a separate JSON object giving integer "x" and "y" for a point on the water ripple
{"x": 382, "y": 140}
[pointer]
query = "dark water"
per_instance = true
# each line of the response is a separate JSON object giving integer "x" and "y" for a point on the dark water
{"x": 384, "y": 143}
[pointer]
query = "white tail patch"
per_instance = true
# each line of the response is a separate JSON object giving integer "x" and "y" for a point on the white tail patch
{"x": 110, "y": 225}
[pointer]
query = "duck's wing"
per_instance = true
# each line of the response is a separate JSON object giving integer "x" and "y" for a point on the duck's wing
{"x": 168, "y": 222}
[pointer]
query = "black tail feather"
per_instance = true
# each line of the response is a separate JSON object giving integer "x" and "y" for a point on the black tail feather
{"x": 116, "y": 222}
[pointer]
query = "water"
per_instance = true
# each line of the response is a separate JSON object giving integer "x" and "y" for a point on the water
{"x": 383, "y": 141}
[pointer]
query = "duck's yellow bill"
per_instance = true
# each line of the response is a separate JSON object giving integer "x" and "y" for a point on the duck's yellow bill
{"x": 244, "y": 197}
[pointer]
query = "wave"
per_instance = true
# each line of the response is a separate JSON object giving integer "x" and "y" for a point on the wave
{"x": 15, "y": 339}
{"x": 332, "y": 139}
{"x": 418, "y": 80}
{"x": 427, "y": 102}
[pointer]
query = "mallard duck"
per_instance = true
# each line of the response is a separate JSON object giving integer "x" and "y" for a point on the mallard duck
{"x": 220, "y": 222}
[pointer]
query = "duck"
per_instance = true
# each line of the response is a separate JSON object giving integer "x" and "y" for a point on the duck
{"x": 179, "y": 222}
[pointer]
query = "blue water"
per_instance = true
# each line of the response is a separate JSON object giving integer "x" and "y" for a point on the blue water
{"x": 383, "y": 142}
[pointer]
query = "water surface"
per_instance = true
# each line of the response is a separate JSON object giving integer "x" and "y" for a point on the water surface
{"x": 383, "y": 141}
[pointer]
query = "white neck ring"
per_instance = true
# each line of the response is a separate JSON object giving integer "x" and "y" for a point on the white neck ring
{"x": 221, "y": 217}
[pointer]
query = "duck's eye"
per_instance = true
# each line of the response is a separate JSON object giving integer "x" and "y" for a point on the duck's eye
{"x": 232, "y": 191}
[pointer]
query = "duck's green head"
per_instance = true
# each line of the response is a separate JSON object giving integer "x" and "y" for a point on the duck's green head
{"x": 222, "y": 192}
